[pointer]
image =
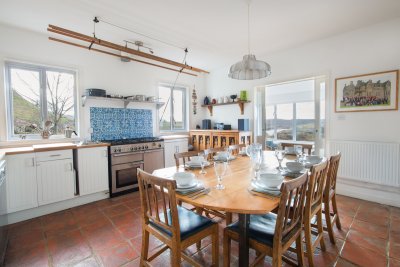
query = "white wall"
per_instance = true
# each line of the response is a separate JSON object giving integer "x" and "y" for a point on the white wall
{"x": 94, "y": 71}
{"x": 366, "y": 50}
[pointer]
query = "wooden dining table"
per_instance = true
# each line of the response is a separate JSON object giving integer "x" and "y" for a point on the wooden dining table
{"x": 235, "y": 198}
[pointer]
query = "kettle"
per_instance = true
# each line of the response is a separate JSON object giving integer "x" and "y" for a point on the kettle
{"x": 68, "y": 133}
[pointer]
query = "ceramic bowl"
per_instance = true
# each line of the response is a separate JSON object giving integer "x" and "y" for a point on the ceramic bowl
{"x": 313, "y": 159}
{"x": 294, "y": 166}
{"x": 196, "y": 159}
{"x": 184, "y": 178}
{"x": 271, "y": 179}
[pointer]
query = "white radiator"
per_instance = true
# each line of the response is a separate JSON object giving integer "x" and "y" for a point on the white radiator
{"x": 370, "y": 162}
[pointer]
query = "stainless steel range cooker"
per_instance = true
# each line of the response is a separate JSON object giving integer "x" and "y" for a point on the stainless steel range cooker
{"x": 127, "y": 155}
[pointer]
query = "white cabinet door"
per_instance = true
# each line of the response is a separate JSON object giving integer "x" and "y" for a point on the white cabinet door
{"x": 92, "y": 170}
{"x": 174, "y": 146}
{"x": 21, "y": 182}
{"x": 56, "y": 181}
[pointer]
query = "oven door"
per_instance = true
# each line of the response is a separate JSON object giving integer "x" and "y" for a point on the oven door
{"x": 124, "y": 176}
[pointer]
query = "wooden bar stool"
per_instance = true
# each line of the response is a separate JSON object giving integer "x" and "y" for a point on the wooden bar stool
{"x": 175, "y": 226}
{"x": 330, "y": 197}
{"x": 313, "y": 207}
{"x": 272, "y": 234}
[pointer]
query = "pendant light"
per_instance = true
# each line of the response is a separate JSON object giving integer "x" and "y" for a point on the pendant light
{"x": 249, "y": 68}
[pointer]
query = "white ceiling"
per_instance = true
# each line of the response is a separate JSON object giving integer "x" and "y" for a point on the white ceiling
{"x": 214, "y": 30}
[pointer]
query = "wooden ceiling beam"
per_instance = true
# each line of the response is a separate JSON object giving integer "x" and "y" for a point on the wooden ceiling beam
{"x": 117, "y": 55}
{"x": 94, "y": 40}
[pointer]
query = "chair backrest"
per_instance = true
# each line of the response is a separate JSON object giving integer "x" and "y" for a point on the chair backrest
{"x": 157, "y": 196}
{"x": 236, "y": 148}
{"x": 291, "y": 206}
{"x": 304, "y": 147}
{"x": 316, "y": 184}
{"x": 185, "y": 156}
{"x": 332, "y": 173}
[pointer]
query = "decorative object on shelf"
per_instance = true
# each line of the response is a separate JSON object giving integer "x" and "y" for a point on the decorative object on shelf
{"x": 249, "y": 68}
{"x": 214, "y": 101}
{"x": 233, "y": 97}
{"x": 206, "y": 101}
{"x": 126, "y": 101}
{"x": 240, "y": 103}
{"x": 368, "y": 92}
{"x": 221, "y": 100}
{"x": 226, "y": 99}
{"x": 243, "y": 95}
{"x": 194, "y": 100}
{"x": 198, "y": 127}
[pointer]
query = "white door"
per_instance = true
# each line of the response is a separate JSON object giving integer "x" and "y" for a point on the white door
{"x": 21, "y": 182}
{"x": 92, "y": 170}
{"x": 56, "y": 181}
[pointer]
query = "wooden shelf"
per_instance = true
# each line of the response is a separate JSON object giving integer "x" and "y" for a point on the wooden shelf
{"x": 240, "y": 103}
{"x": 125, "y": 101}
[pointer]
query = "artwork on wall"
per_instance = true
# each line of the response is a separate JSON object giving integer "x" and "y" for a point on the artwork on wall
{"x": 369, "y": 92}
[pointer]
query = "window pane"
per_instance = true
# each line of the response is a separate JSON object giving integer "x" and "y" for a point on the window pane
{"x": 305, "y": 121}
{"x": 284, "y": 121}
{"x": 60, "y": 100}
{"x": 25, "y": 85}
{"x": 270, "y": 125}
{"x": 165, "y": 111}
{"x": 178, "y": 97}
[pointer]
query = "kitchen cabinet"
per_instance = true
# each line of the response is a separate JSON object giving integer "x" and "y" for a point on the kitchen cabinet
{"x": 154, "y": 159}
{"x": 172, "y": 146}
{"x": 21, "y": 182}
{"x": 55, "y": 176}
{"x": 92, "y": 170}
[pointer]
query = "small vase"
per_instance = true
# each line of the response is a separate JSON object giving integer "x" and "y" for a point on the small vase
{"x": 206, "y": 100}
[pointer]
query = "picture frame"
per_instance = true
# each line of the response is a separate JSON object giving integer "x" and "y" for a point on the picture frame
{"x": 377, "y": 91}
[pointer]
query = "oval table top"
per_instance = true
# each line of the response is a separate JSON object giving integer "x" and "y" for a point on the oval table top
{"x": 236, "y": 197}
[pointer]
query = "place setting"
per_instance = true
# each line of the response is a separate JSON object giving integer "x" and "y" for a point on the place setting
{"x": 225, "y": 156}
{"x": 199, "y": 161}
{"x": 267, "y": 183}
{"x": 188, "y": 185}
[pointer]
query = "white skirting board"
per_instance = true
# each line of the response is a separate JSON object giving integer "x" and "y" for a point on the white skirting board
{"x": 370, "y": 192}
{"x": 54, "y": 207}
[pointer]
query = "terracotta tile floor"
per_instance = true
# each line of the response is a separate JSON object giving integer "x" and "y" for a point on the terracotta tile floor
{"x": 108, "y": 233}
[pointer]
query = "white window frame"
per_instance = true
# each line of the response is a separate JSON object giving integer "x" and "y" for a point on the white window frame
{"x": 43, "y": 93}
{"x": 184, "y": 90}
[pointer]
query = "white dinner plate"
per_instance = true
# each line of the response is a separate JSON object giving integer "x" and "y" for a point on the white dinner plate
{"x": 196, "y": 164}
{"x": 261, "y": 186}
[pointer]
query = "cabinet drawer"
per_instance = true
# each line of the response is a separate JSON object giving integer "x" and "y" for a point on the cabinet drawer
{"x": 54, "y": 155}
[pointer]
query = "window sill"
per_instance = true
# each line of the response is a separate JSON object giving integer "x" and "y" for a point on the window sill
{"x": 29, "y": 142}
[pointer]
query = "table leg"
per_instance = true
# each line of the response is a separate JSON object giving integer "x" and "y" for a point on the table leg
{"x": 244, "y": 221}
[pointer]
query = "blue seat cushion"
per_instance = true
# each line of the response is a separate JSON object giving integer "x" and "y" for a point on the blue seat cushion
{"x": 190, "y": 222}
{"x": 261, "y": 228}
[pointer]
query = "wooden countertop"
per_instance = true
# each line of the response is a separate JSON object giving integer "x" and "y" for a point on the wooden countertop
{"x": 47, "y": 147}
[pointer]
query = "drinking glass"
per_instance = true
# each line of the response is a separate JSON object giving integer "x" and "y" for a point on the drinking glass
{"x": 203, "y": 161}
{"x": 220, "y": 169}
{"x": 229, "y": 153}
{"x": 280, "y": 155}
{"x": 299, "y": 152}
{"x": 256, "y": 161}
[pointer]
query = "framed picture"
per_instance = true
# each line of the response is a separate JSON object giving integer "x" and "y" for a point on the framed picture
{"x": 369, "y": 92}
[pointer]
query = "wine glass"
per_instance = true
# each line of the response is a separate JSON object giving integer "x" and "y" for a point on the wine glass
{"x": 280, "y": 155}
{"x": 256, "y": 159}
{"x": 204, "y": 156}
{"x": 298, "y": 149}
{"x": 220, "y": 169}
{"x": 229, "y": 154}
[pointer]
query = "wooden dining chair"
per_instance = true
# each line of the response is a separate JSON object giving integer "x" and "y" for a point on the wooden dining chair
{"x": 330, "y": 197}
{"x": 272, "y": 234}
{"x": 184, "y": 156}
{"x": 236, "y": 148}
{"x": 313, "y": 207}
{"x": 305, "y": 147}
{"x": 175, "y": 226}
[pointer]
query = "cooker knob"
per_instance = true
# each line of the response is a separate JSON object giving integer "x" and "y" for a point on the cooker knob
{"x": 146, "y": 147}
{"x": 135, "y": 148}
{"x": 115, "y": 150}
{"x": 159, "y": 145}
{"x": 142, "y": 147}
{"x": 119, "y": 149}
{"x": 131, "y": 148}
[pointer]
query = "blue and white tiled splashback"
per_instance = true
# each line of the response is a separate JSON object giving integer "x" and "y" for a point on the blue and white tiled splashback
{"x": 119, "y": 123}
